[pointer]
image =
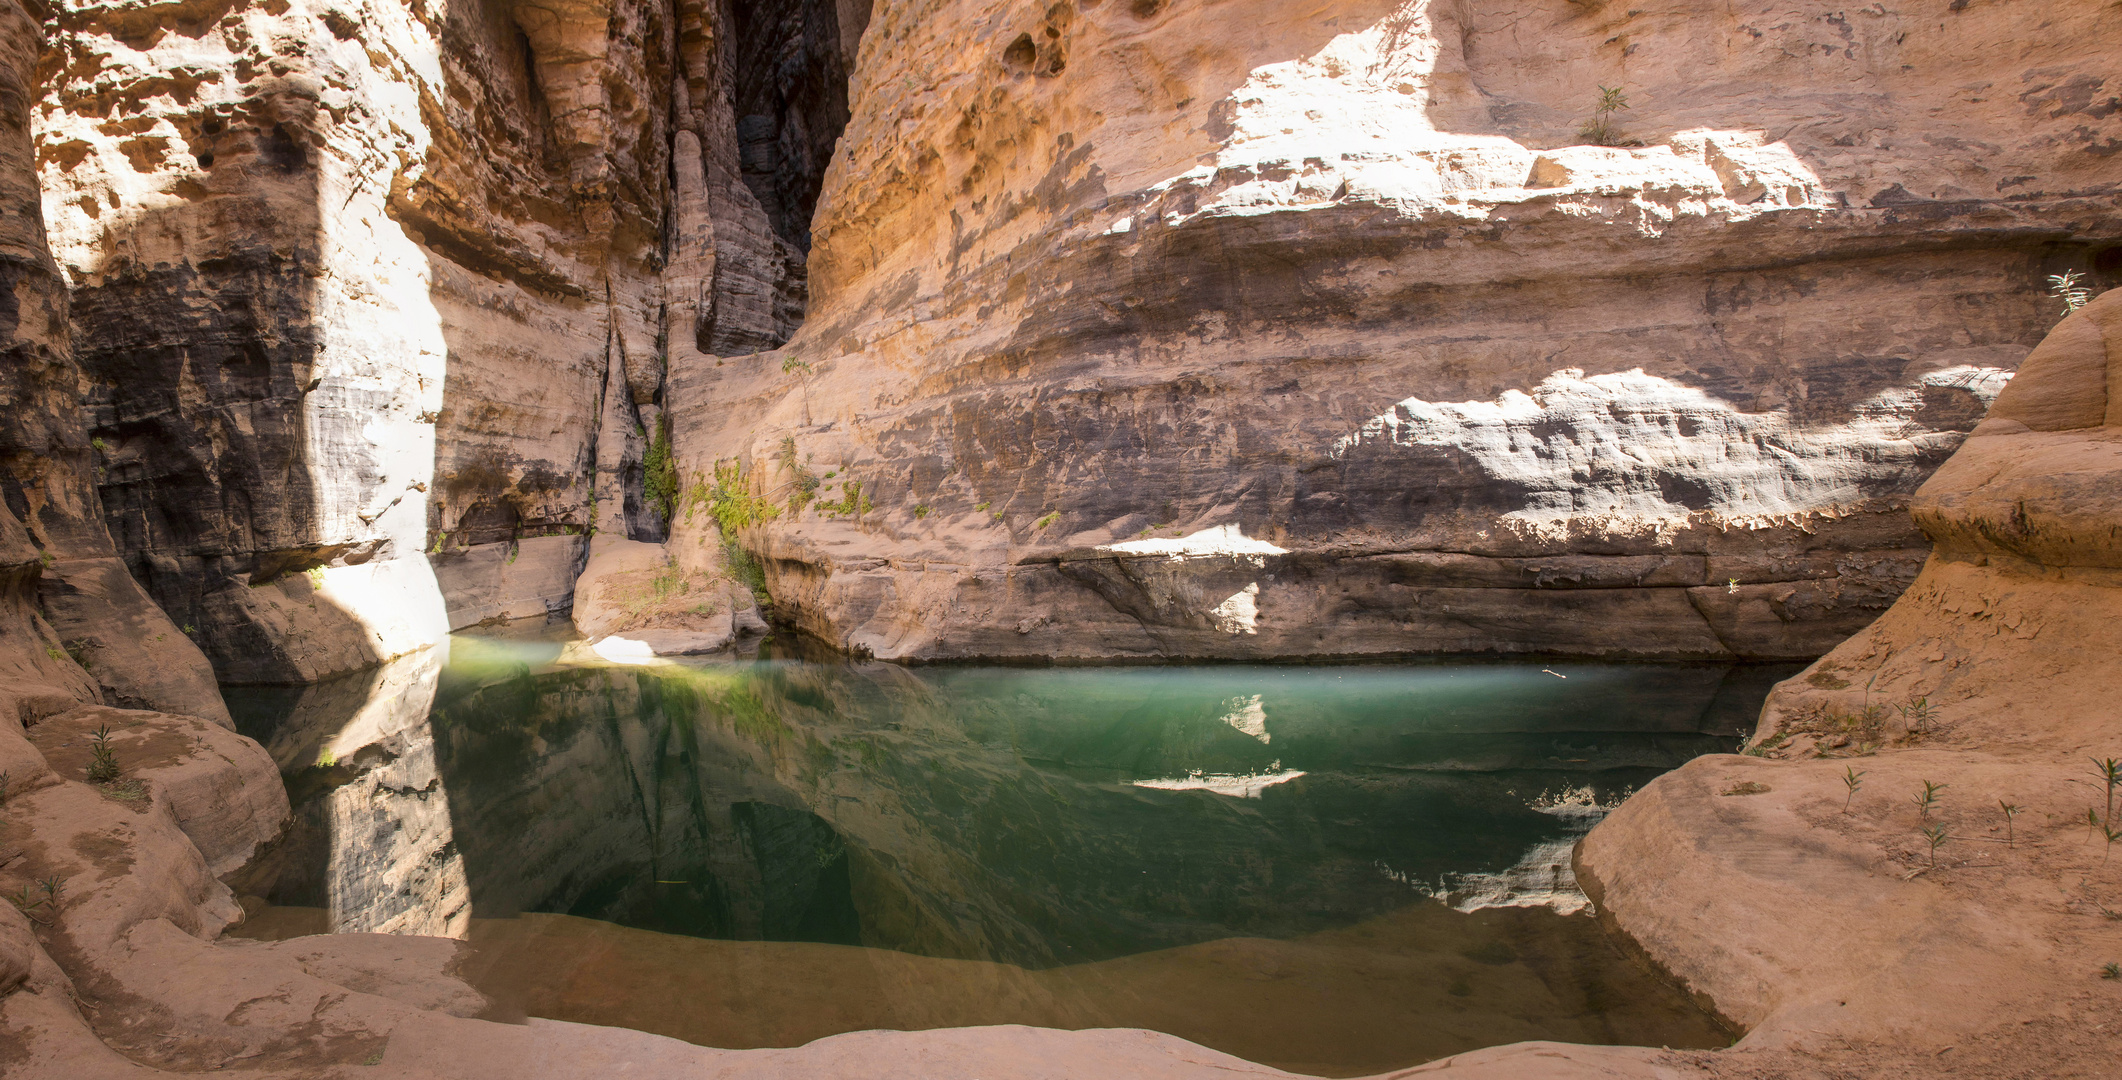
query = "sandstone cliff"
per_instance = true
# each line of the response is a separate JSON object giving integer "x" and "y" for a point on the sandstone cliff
{"x": 1256, "y": 329}
{"x": 373, "y": 299}
{"x": 1120, "y": 330}
{"x": 1804, "y": 895}
{"x": 1107, "y": 330}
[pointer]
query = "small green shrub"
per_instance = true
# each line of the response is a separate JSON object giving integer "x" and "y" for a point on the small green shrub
{"x": 659, "y": 472}
{"x": 2111, "y": 970}
{"x": 1762, "y": 748}
{"x": 852, "y": 502}
{"x": 1852, "y": 778}
{"x": 1919, "y": 713}
{"x": 746, "y": 570}
{"x": 103, "y": 761}
{"x": 2065, "y": 287}
{"x": 1051, "y": 517}
{"x": 1936, "y": 837}
{"x": 1601, "y": 130}
{"x": 803, "y": 486}
{"x": 2011, "y": 810}
{"x": 1926, "y": 800}
{"x": 729, "y": 499}
{"x": 920, "y": 511}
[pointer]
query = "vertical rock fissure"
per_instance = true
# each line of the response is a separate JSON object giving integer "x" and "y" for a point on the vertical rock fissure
{"x": 764, "y": 97}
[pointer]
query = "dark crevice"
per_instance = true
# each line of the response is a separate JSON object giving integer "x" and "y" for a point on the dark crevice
{"x": 789, "y": 93}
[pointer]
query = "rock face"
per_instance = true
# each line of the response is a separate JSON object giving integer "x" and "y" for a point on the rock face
{"x": 1119, "y": 330}
{"x": 1251, "y": 329}
{"x": 77, "y": 625}
{"x": 379, "y": 299}
{"x": 1821, "y": 910}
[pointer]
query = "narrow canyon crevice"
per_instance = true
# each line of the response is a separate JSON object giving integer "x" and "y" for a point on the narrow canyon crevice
{"x": 766, "y": 99}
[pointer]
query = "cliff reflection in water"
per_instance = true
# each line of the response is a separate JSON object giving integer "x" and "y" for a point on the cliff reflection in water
{"x": 1033, "y": 817}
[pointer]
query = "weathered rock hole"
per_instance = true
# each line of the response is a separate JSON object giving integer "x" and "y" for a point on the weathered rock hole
{"x": 2107, "y": 265}
{"x": 1020, "y": 53}
{"x": 1145, "y": 9}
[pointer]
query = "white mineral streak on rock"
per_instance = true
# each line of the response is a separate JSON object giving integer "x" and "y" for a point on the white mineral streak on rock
{"x": 1220, "y": 541}
{"x": 1239, "y": 613}
{"x": 1360, "y": 119}
{"x": 1237, "y": 786}
{"x": 1613, "y": 452}
{"x": 1248, "y": 716}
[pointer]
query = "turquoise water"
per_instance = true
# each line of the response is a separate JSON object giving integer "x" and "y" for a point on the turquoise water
{"x": 1078, "y": 829}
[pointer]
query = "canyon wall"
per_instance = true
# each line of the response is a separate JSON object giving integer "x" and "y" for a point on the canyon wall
{"x": 1913, "y": 856}
{"x": 1105, "y": 330}
{"x": 373, "y": 300}
{"x": 77, "y": 626}
{"x": 1246, "y": 329}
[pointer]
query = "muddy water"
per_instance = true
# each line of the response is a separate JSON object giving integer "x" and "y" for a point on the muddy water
{"x": 1335, "y": 870}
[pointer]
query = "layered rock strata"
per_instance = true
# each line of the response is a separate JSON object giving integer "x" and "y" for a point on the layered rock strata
{"x": 1246, "y": 329}
{"x": 78, "y": 626}
{"x": 1913, "y": 866}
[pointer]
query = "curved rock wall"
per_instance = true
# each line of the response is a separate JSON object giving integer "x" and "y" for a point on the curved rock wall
{"x": 77, "y": 625}
{"x": 1803, "y": 894}
{"x": 1252, "y": 329}
{"x": 374, "y": 299}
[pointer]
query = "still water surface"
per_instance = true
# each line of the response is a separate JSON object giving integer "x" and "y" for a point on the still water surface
{"x": 1332, "y": 869}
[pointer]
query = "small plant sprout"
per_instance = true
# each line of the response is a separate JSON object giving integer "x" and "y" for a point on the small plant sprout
{"x": 1601, "y": 131}
{"x": 2092, "y": 821}
{"x": 802, "y": 370}
{"x": 1852, "y": 778}
{"x": 103, "y": 761}
{"x": 52, "y": 887}
{"x": 1731, "y": 585}
{"x": 2010, "y": 810}
{"x": 1936, "y": 837}
{"x": 1926, "y": 800}
{"x": 2111, "y": 970}
{"x": 1918, "y": 713}
{"x": 2110, "y": 770}
{"x": 2065, "y": 287}
{"x": 2112, "y": 834}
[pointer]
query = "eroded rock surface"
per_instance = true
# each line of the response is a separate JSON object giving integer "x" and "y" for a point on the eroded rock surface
{"x": 1804, "y": 895}
{"x": 1345, "y": 282}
